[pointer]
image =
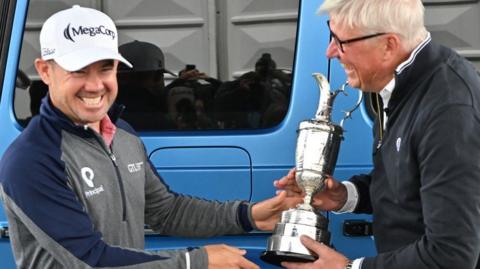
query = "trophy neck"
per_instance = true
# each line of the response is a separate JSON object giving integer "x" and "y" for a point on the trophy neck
{"x": 325, "y": 102}
{"x": 324, "y": 111}
{"x": 307, "y": 203}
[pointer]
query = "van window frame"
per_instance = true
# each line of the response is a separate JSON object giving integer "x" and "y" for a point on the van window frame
{"x": 7, "y": 11}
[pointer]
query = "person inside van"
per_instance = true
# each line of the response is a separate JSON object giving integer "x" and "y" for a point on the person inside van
{"x": 141, "y": 88}
{"x": 257, "y": 99}
{"x": 196, "y": 111}
{"x": 150, "y": 104}
{"x": 77, "y": 184}
{"x": 424, "y": 189}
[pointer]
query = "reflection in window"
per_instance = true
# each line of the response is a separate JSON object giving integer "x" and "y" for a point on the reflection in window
{"x": 26, "y": 89}
{"x": 257, "y": 99}
{"x": 195, "y": 101}
{"x": 231, "y": 64}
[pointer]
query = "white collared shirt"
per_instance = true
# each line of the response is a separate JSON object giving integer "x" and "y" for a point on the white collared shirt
{"x": 386, "y": 93}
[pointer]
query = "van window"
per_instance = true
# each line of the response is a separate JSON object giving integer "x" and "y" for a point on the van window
{"x": 198, "y": 65}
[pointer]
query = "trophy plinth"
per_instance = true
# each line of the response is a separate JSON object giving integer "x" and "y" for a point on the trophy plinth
{"x": 285, "y": 245}
{"x": 318, "y": 144}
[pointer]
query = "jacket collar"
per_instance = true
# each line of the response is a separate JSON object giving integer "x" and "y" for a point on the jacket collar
{"x": 414, "y": 54}
{"x": 423, "y": 61}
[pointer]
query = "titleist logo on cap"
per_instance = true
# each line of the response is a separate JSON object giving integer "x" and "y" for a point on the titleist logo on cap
{"x": 47, "y": 51}
{"x": 71, "y": 32}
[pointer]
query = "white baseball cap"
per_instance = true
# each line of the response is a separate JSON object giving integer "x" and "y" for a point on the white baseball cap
{"x": 79, "y": 36}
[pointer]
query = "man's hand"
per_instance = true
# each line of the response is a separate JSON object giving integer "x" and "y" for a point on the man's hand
{"x": 332, "y": 197}
{"x": 288, "y": 184}
{"x": 327, "y": 257}
{"x": 267, "y": 213}
{"x": 192, "y": 74}
{"x": 223, "y": 256}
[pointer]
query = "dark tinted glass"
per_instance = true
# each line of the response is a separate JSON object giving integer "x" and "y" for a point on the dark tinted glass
{"x": 220, "y": 68}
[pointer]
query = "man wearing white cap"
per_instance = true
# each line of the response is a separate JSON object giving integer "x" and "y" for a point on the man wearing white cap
{"x": 77, "y": 184}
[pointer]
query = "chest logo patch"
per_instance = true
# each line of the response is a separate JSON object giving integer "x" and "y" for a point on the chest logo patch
{"x": 87, "y": 176}
{"x": 135, "y": 167}
{"x": 398, "y": 143}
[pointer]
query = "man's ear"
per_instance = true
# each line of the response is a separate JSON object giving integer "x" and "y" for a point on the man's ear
{"x": 44, "y": 70}
{"x": 393, "y": 46}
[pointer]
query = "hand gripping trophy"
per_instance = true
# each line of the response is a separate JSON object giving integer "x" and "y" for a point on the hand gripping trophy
{"x": 316, "y": 154}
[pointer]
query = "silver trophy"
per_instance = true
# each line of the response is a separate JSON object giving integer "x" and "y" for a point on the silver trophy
{"x": 318, "y": 144}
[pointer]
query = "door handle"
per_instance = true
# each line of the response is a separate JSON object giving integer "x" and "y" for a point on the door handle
{"x": 4, "y": 233}
{"x": 356, "y": 227}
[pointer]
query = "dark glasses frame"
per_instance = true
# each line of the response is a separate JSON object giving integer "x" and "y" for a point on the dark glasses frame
{"x": 340, "y": 43}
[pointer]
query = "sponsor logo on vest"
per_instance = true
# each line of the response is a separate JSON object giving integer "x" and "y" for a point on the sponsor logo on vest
{"x": 398, "y": 143}
{"x": 95, "y": 191}
{"x": 87, "y": 176}
{"x": 71, "y": 33}
{"x": 135, "y": 167}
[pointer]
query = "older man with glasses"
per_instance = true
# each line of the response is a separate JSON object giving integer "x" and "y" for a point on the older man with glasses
{"x": 423, "y": 190}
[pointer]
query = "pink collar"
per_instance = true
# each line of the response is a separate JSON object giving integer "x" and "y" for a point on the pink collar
{"x": 107, "y": 130}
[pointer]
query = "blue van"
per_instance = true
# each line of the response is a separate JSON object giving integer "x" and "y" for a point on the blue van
{"x": 227, "y": 136}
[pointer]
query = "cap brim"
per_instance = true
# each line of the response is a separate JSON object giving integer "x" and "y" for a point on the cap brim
{"x": 79, "y": 59}
{"x": 169, "y": 72}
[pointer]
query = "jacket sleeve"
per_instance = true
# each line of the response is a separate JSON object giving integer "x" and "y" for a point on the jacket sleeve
{"x": 362, "y": 183}
{"x": 48, "y": 223}
{"x": 448, "y": 152}
{"x": 170, "y": 213}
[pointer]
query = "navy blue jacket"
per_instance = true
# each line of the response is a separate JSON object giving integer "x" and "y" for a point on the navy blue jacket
{"x": 424, "y": 190}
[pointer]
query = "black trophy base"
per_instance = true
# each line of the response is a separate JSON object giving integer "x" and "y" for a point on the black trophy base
{"x": 276, "y": 257}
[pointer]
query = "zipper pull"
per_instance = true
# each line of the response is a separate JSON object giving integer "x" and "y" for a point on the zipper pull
{"x": 114, "y": 159}
{"x": 379, "y": 144}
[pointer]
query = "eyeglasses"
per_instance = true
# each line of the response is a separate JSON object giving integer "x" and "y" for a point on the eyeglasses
{"x": 340, "y": 43}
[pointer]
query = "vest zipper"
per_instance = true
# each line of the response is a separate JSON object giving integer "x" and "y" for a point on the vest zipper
{"x": 120, "y": 183}
{"x": 380, "y": 122}
{"x": 117, "y": 170}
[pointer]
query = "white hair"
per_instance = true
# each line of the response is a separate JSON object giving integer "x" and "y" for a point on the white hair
{"x": 402, "y": 17}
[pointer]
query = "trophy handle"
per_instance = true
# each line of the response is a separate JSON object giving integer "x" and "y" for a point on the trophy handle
{"x": 327, "y": 97}
{"x": 348, "y": 114}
